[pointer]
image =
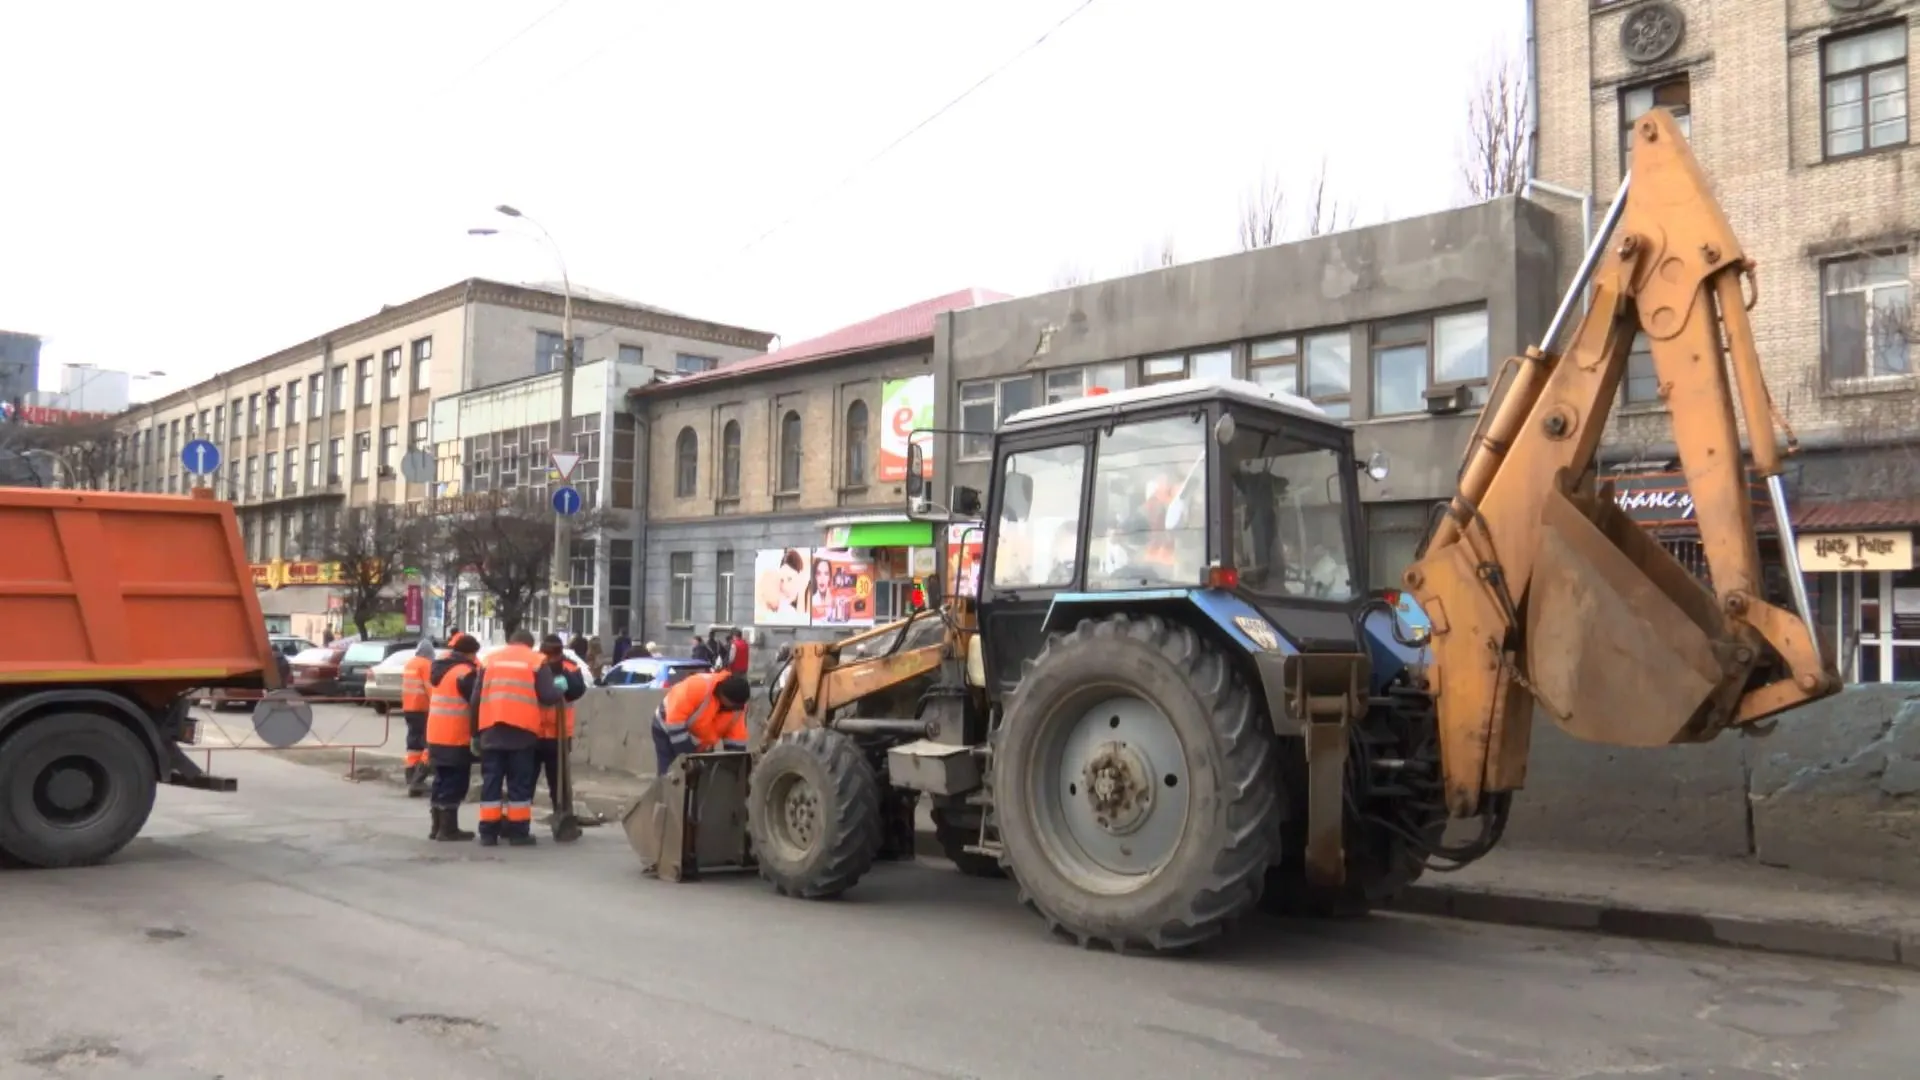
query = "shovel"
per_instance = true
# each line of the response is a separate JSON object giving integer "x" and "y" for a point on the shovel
{"x": 565, "y": 826}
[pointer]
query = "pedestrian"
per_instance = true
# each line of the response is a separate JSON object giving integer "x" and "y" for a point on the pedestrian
{"x": 702, "y": 651}
{"x": 416, "y": 696}
{"x": 572, "y": 687}
{"x": 622, "y": 645}
{"x": 648, "y": 651}
{"x": 513, "y": 689}
{"x": 326, "y": 635}
{"x": 737, "y": 654}
{"x": 703, "y": 712}
{"x": 450, "y": 734}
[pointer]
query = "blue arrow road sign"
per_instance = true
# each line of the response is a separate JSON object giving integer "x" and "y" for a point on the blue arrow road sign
{"x": 200, "y": 457}
{"x": 566, "y": 501}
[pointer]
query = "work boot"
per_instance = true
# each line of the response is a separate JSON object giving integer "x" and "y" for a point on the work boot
{"x": 489, "y": 840}
{"x": 450, "y": 826}
{"x": 439, "y": 823}
{"x": 417, "y": 783}
{"x": 521, "y": 840}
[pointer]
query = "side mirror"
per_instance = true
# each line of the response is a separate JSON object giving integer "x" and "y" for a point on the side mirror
{"x": 1017, "y": 499}
{"x": 1377, "y": 466}
{"x": 916, "y": 472}
{"x": 965, "y": 501}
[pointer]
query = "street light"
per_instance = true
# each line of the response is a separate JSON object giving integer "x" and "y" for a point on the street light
{"x": 559, "y": 572}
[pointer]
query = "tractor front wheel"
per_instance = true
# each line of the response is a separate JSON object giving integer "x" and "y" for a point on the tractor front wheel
{"x": 1134, "y": 786}
{"x": 813, "y": 810}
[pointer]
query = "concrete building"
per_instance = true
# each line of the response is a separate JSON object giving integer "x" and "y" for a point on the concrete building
{"x": 19, "y": 365}
{"x": 1799, "y": 113}
{"x": 319, "y": 428}
{"x": 786, "y": 471}
{"x": 1397, "y": 327}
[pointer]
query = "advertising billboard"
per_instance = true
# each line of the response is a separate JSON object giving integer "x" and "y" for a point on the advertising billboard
{"x": 905, "y": 405}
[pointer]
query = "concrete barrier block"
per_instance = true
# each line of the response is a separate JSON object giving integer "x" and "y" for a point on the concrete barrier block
{"x": 615, "y": 730}
{"x": 1835, "y": 788}
{"x": 1686, "y": 800}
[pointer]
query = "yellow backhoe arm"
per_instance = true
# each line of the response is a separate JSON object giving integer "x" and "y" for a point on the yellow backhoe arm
{"x": 1540, "y": 590}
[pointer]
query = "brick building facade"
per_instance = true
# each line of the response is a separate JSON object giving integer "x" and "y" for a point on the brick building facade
{"x": 1798, "y": 112}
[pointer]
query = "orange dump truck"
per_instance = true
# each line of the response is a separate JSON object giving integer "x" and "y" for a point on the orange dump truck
{"x": 112, "y": 607}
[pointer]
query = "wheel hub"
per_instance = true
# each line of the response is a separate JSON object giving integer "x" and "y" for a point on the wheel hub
{"x": 1119, "y": 787}
{"x": 802, "y": 811}
{"x": 70, "y": 791}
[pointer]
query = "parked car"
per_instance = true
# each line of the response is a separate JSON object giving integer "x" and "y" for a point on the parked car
{"x": 361, "y": 656}
{"x": 568, "y": 653}
{"x": 653, "y": 672}
{"x": 316, "y": 672}
{"x": 289, "y": 646}
{"x": 384, "y": 680}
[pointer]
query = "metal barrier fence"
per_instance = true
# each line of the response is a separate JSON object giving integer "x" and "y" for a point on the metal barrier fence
{"x": 284, "y": 720}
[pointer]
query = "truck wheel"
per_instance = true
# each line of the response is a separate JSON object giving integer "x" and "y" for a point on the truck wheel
{"x": 813, "y": 810}
{"x": 955, "y": 829}
{"x": 1134, "y": 788}
{"x": 74, "y": 789}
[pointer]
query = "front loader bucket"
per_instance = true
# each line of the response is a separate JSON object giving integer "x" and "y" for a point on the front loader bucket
{"x": 694, "y": 819}
{"x": 1617, "y": 625}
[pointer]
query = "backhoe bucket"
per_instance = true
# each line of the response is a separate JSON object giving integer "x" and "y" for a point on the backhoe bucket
{"x": 693, "y": 820}
{"x": 1617, "y": 625}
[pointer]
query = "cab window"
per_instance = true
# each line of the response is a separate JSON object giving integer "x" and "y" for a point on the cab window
{"x": 1039, "y": 524}
{"x": 1149, "y": 505}
{"x": 1290, "y": 531}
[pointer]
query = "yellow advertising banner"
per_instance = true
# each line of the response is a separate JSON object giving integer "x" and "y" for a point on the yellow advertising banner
{"x": 281, "y": 573}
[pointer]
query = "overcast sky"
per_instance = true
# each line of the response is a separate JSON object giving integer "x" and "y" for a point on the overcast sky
{"x": 191, "y": 185}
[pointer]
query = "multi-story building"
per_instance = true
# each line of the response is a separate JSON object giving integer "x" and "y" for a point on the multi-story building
{"x": 19, "y": 365}
{"x": 1397, "y": 328}
{"x": 320, "y": 427}
{"x": 1799, "y": 113}
{"x": 776, "y": 487}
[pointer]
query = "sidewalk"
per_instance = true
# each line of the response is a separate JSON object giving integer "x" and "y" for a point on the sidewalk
{"x": 1729, "y": 903}
{"x": 1732, "y": 903}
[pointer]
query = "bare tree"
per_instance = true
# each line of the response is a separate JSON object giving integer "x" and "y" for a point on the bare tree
{"x": 1263, "y": 214}
{"x": 1069, "y": 274}
{"x": 1325, "y": 214}
{"x": 1497, "y": 132}
{"x": 1157, "y": 255}
{"x": 76, "y": 454}
{"x": 374, "y": 546}
{"x": 507, "y": 543}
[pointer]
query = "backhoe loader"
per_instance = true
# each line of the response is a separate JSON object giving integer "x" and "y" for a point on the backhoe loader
{"x": 1171, "y": 701}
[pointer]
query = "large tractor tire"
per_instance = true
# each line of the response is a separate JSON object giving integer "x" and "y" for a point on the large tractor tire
{"x": 813, "y": 810}
{"x": 955, "y": 829}
{"x": 74, "y": 789}
{"x": 1134, "y": 787}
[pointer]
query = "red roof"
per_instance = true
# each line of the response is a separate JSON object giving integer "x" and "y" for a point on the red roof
{"x": 1858, "y": 514}
{"x": 907, "y": 324}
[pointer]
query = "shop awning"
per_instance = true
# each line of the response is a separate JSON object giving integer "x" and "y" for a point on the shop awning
{"x": 890, "y": 530}
{"x": 1857, "y": 514}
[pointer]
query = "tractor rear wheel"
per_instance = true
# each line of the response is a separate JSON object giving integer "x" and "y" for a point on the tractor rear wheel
{"x": 813, "y": 810}
{"x": 1134, "y": 788}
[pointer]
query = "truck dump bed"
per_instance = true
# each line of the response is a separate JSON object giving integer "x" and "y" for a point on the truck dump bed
{"x": 100, "y": 587}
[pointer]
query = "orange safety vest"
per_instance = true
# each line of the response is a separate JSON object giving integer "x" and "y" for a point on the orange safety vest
{"x": 692, "y": 715}
{"x": 447, "y": 711}
{"x": 508, "y": 689}
{"x": 1159, "y": 544}
{"x": 549, "y": 729}
{"x": 415, "y": 693}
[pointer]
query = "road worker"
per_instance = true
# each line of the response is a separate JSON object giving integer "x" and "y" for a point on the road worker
{"x": 450, "y": 734}
{"x": 416, "y": 693}
{"x": 705, "y": 712}
{"x": 576, "y": 686}
{"x": 512, "y": 692}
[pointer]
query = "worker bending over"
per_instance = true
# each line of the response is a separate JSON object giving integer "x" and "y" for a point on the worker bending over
{"x": 449, "y": 734}
{"x": 576, "y": 686}
{"x": 514, "y": 688}
{"x": 705, "y": 712}
{"x": 416, "y": 693}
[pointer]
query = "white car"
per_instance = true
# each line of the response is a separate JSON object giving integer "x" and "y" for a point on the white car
{"x": 384, "y": 679}
{"x": 568, "y": 653}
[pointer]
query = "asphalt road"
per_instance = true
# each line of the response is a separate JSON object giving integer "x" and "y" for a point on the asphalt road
{"x": 304, "y": 928}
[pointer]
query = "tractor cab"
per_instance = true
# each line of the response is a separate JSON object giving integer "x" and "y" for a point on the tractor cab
{"x": 1217, "y": 495}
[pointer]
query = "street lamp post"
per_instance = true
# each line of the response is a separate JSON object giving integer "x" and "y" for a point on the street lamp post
{"x": 561, "y": 578}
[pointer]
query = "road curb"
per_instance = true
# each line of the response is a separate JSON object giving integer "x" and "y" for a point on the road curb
{"x": 1620, "y": 919}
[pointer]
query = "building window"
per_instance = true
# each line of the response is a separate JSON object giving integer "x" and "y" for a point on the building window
{"x": 856, "y": 463}
{"x": 1643, "y": 382}
{"x": 253, "y": 414}
{"x": 620, "y": 584}
{"x": 548, "y": 354}
{"x": 389, "y": 441}
{"x": 686, "y": 464}
{"x": 273, "y": 408}
{"x": 1211, "y": 364}
{"x": 730, "y": 460}
{"x": 632, "y": 354}
{"x": 723, "y": 587}
{"x": 985, "y": 405}
{"x": 206, "y": 417}
{"x": 690, "y": 364}
{"x": 292, "y": 479}
{"x": 1439, "y": 352}
{"x": 680, "y": 587}
{"x": 336, "y": 460}
{"x": 1275, "y": 364}
{"x": 362, "y": 455}
{"x": 1394, "y": 533}
{"x": 363, "y": 381}
{"x": 586, "y": 443}
{"x": 293, "y": 402}
{"x": 316, "y": 396}
{"x": 1864, "y": 92}
{"x": 340, "y": 388}
{"x": 790, "y": 453}
{"x": 270, "y": 475}
{"x": 390, "y": 374}
{"x": 1866, "y": 312}
{"x": 313, "y": 465}
{"x": 1330, "y": 372}
{"x": 1067, "y": 384}
{"x": 422, "y": 364}
{"x": 580, "y": 581}
{"x": 1674, "y": 94}
{"x": 219, "y": 424}
{"x": 252, "y": 478}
